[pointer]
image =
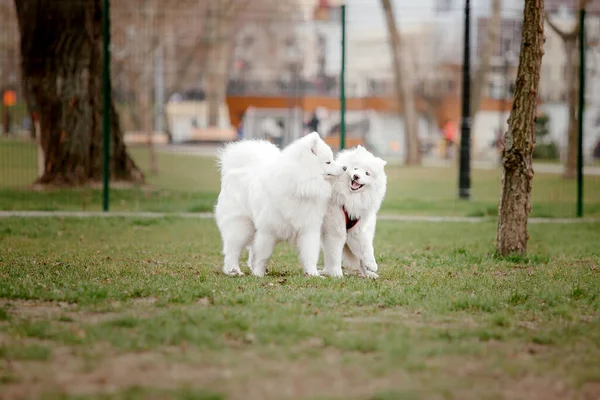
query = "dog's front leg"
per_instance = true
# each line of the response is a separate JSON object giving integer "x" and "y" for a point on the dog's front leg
{"x": 362, "y": 246}
{"x": 333, "y": 246}
{"x": 309, "y": 245}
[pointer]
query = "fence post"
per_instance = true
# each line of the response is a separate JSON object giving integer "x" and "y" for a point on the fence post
{"x": 343, "y": 82}
{"x": 106, "y": 104}
{"x": 580, "y": 107}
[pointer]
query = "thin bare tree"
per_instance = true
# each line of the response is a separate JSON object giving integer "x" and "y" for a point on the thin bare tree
{"x": 219, "y": 26}
{"x": 435, "y": 88}
{"x": 487, "y": 51}
{"x": 570, "y": 39}
{"x": 403, "y": 87}
{"x": 519, "y": 140}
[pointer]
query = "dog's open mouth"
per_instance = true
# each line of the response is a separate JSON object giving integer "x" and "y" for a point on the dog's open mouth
{"x": 354, "y": 185}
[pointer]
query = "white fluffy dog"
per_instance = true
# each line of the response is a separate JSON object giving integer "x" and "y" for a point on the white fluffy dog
{"x": 268, "y": 195}
{"x": 349, "y": 225}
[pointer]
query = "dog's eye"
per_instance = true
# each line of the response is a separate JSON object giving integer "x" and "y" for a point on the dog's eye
{"x": 328, "y": 162}
{"x": 368, "y": 173}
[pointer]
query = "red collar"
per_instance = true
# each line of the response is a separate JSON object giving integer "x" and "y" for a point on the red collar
{"x": 350, "y": 223}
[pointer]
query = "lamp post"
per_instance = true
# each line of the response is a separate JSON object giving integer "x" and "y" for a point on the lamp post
{"x": 464, "y": 180}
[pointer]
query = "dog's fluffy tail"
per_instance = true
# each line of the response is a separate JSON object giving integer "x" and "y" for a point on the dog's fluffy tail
{"x": 246, "y": 154}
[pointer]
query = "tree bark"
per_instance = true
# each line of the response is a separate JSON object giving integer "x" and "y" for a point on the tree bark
{"x": 218, "y": 27}
{"x": 571, "y": 40}
{"x": 486, "y": 55}
{"x": 519, "y": 140}
{"x": 61, "y": 71}
{"x": 404, "y": 90}
{"x": 144, "y": 93}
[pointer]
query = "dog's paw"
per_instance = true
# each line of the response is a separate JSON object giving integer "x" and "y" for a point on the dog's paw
{"x": 332, "y": 274}
{"x": 371, "y": 267}
{"x": 235, "y": 272}
{"x": 314, "y": 275}
{"x": 369, "y": 274}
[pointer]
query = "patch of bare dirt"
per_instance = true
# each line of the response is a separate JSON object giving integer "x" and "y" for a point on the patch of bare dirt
{"x": 36, "y": 308}
{"x": 53, "y": 310}
{"x": 477, "y": 379}
{"x": 247, "y": 372}
{"x": 250, "y": 376}
{"x": 538, "y": 388}
{"x": 144, "y": 301}
{"x": 590, "y": 391}
{"x": 410, "y": 318}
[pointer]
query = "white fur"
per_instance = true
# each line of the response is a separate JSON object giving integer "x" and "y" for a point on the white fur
{"x": 355, "y": 246}
{"x": 268, "y": 195}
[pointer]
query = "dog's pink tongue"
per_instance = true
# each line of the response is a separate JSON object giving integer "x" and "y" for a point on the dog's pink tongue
{"x": 355, "y": 185}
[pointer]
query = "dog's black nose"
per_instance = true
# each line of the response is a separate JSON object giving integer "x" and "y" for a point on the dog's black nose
{"x": 344, "y": 168}
{"x": 355, "y": 177}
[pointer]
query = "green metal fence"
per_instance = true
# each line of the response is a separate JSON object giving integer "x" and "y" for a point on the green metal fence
{"x": 280, "y": 66}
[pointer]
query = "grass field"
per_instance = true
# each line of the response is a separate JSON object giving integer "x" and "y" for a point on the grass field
{"x": 137, "y": 309}
{"x": 191, "y": 184}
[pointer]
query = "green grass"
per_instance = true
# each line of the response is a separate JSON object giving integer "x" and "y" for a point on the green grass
{"x": 140, "y": 309}
{"x": 191, "y": 184}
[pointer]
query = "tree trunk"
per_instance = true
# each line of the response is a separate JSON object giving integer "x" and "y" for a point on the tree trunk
{"x": 151, "y": 67}
{"x": 519, "y": 140}
{"x": 570, "y": 40}
{"x": 217, "y": 75}
{"x": 61, "y": 70}
{"x": 486, "y": 55}
{"x": 145, "y": 103}
{"x": 146, "y": 83}
{"x": 404, "y": 90}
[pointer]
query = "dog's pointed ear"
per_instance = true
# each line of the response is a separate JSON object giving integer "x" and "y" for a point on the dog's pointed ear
{"x": 314, "y": 141}
{"x": 382, "y": 162}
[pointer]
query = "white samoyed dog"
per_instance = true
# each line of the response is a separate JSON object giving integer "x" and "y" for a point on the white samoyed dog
{"x": 349, "y": 224}
{"x": 270, "y": 195}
